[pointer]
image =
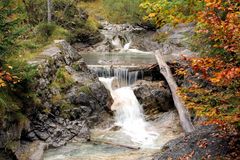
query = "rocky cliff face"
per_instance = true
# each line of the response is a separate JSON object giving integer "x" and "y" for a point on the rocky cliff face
{"x": 67, "y": 100}
{"x": 69, "y": 97}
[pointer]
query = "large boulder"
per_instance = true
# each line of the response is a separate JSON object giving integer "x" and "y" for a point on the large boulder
{"x": 206, "y": 142}
{"x": 154, "y": 96}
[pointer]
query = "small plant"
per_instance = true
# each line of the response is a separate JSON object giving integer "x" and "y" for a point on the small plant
{"x": 63, "y": 79}
{"x": 56, "y": 99}
{"x": 85, "y": 89}
{"x": 65, "y": 108}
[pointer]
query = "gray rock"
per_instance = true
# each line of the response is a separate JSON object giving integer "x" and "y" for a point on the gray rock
{"x": 38, "y": 153}
{"x": 166, "y": 28}
{"x": 206, "y": 142}
{"x": 153, "y": 95}
{"x": 10, "y": 133}
{"x": 41, "y": 135}
{"x": 32, "y": 136}
{"x": 30, "y": 151}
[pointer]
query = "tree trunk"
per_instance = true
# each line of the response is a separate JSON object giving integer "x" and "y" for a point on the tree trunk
{"x": 182, "y": 111}
{"x": 49, "y": 5}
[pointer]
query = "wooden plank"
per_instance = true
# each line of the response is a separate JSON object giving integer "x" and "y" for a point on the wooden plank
{"x": 182, "y": 111}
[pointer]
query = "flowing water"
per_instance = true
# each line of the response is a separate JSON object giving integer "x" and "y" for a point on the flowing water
{"x": 129, "y": 115}
{"x": 135, "y": 137}
{"x": 123, "y": 76}
{"x": 116, "y": 58}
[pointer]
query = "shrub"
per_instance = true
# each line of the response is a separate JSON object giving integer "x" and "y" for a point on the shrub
{"x": 84, "y": 35}
{"x": 123, "y": 11}
{"x": 173, "y": 12}
{"x": 45, "y": 30}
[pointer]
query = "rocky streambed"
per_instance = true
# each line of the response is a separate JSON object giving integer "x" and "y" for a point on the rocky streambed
{"x": 70, "y": 116}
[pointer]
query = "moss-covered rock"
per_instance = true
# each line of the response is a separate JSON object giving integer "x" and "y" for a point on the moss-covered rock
{"x": 62, "y": 101}
{"x": 85, "y": 89}
{"x": 63, "y": 79}
{"x": 71, "y": 97}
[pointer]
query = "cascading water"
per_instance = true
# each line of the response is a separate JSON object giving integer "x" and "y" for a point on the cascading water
{"x": 129, "y": 114}
{"x": 127, "y": 46}
{"x": 121, "y": 42}
{"x": 123, "y": 75}
{"x": 116, "y": 42}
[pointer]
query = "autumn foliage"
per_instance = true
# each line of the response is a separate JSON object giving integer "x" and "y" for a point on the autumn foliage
{"x": 212, "y": 90}
{"x": 6, "y": 78}
{"x": 221, "y": 19}
{"x": 173, "y": 12}
{"x": 215, "y": 70}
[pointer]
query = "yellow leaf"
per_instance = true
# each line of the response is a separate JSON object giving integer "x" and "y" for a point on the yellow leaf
{"x": 151, "y": 15}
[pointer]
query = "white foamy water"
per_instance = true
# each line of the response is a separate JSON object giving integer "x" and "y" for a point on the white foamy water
{"x": 123, "y": 76}
{"x": 127, "y": 45}
{"x": 116, "y": 42}
{"x": 129, "y": 114}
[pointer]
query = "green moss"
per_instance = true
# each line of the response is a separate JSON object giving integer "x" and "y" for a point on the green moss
{"x": 63, "y": 76}
{"x": 37, "y": 101}
{"x": 92, "y": 24}
{"x": 85, "y": 89}
{"x": 35, "y": 43}
{"x": 76, "y": 66}
{"x": 65, "y": 108}
{"x": 59, "y": 33}
{"x": 12, "y": 145}
{"x": 47, "y": 110}
{"x": 63, "y": 79}
{"x": 22, "y": 69}
{"x": 123, "y": 11}
{"x": 22, "y": 120}
{"x": 94, "y": 8}
{"x": 56, "y": 99}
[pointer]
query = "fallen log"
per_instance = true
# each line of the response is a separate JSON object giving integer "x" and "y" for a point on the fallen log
{"x": 115, "y": 144}
{"x": 182, "y": 111}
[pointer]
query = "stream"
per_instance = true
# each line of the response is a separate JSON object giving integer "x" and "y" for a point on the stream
{"x": 130, "y": 135}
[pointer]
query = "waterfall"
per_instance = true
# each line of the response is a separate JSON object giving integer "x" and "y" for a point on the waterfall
{"x": 129, "y": 114}
{"x": 123, "y": 75}
{"x": 116, "y": 42}
{"x": 127, "y": 46}
{"x": 121, "y": 41}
